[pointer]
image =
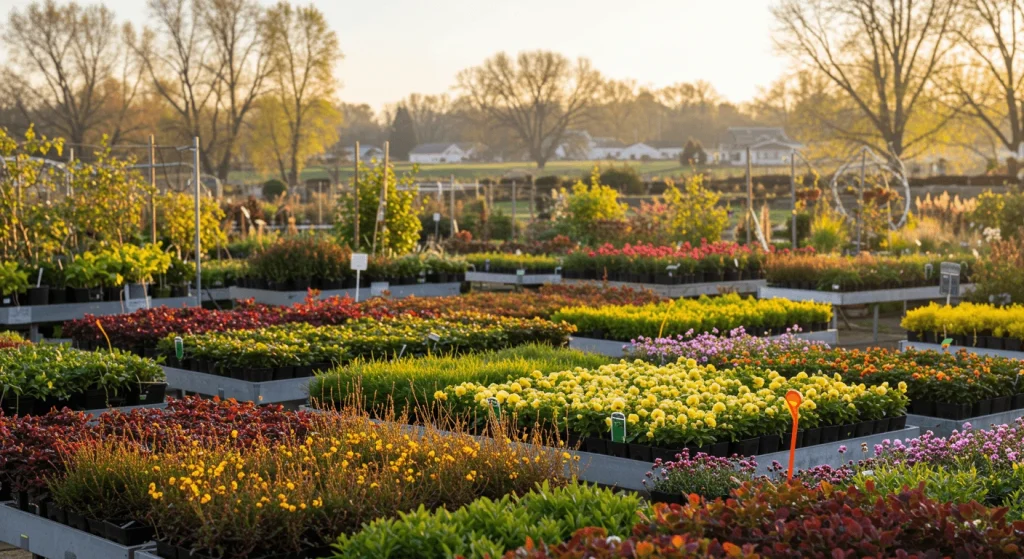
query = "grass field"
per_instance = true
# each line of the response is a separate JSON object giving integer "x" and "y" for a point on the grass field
{"x": 477, "y": 171}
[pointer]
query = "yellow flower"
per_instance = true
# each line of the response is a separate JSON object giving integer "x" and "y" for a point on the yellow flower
{"x": 234, "y": 433}
{"x": 440, "y": 395}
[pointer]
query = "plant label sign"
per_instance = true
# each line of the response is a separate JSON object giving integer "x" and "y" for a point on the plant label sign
{"x": 19, "y": 315}
{"x": 360, "y": 261}
{"x": 618, "y": 427}
{"x": 949, "y": 279}
{"x": 437, "y": 217}
{"x": 495, "y": 406}
{"x": 179, "y": 348}
{"x": 378, "y": 288}
{"x": 132, "y": 305}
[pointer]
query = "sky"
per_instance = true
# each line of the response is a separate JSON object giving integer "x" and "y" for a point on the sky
{"x": 396, "y": 47}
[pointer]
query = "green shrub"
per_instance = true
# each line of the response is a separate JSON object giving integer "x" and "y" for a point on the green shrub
{"x": 408, "y": 382}
{"x": 487, "y": 528}
{"x": 586, "y": 206}
{"x": 625, "y": 179}
{"x": 940, "y": 483}
{"x": 274, "y": 188}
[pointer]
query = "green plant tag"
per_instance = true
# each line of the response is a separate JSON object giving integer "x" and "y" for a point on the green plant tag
{"x": 947, "y": 342}
{"x": 179, "y": 347}
{"x": 618, "y": 427}
{"x": 495, "y": 406}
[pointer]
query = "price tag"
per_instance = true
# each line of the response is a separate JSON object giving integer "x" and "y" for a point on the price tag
{"x": 360, "y": 260}
{"x": 179, "y": 348}
{"x": 433, "y": 337}
{"x": 835, "y": 287}
{"x": 495, "y": 406}
{"x": 19, "y": 315}
{"x": 736, "y": 261}
{"x": 437, "y": 217}
{"x": 618, "y": 427}
{"x": 520, "y": 272}
{"x": 378, "y": 288}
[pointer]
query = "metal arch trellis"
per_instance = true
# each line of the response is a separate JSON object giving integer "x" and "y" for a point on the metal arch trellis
{"x": 891, "y": 165}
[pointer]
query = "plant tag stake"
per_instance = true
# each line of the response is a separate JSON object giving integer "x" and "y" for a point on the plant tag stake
{"x": 179, "y": 347}
{"x": 618, "y": 427}
{"x": 736, "y": 261}
{"x": 39, "y": 278}
{"x": 946, "y": 343}
{"x": 793, "y": 401}
{"x": 495, "y": 407}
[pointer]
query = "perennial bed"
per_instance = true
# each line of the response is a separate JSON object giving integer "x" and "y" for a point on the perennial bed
{"x": 35, "y": 378}
{"x": 968, "y": 325}
{"x": 683, "y": 405}
{"x": 499, "y": 263}
{"x": 808, "y": 271}
{"x": 220, "y": 479}
{"x": 708, "y": 262}
{"x": 686, "y": 316}
{"x": 952, "y": 386}
{"x": 297, "y": 350}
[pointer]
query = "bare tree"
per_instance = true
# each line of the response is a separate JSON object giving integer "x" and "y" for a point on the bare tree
{"x": 989, "y": 85}
{"x": 71, "y": 73}
{"x": 538, "y": 95}
{"x": 883, "y": 56}
{"x": 305, "y": 50}
{"x": 618, "y": 108}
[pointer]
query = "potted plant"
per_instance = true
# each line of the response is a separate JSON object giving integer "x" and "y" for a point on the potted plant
{"x": 12, "y": 282}
{"x": 82, "y": 277}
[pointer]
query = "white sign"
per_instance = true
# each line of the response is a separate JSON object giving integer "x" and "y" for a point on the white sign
{"x": 359, "y": 261}
{"x": 132, "y": 305}
{"x": 437, "y": 217}
{"x": 378, "y": 288}
{"x": 19, "y": 315}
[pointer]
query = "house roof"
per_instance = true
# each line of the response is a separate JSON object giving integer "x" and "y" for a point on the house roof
{"x": 742, "y": 137}
{"x": 773, "y": 144}
{"x": 608, "y": 143}
{"x": 438, "y": 147}
{"x": 660, "y": 144}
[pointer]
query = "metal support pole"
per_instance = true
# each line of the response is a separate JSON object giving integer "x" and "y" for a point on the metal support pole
{"x": 71, "y": 160}
{"x": 750, "y": 198}
{"x": 533, "y": 200}
{"x": 451, "y": 211}
{"x": 152, "y": 186}
{"x": 514, "y": 235}
{"x": 198, "y": 191}
{"x": 860, "y": 194}
{"x": 874, "y": 324}
{"x": 792, "y": 193}
{"x": 355, "y": 194}
{"x": 382, "y": 203}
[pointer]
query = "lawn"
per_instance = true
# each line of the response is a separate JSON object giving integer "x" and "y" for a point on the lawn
{"x": 478, "y": 171}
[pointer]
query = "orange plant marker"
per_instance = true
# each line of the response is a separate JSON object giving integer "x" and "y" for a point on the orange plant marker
{"x": 793, "y": 401}
{"x": 104, "y": 332}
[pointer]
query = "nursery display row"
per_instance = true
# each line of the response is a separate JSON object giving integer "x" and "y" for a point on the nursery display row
{"x": 666, "y": 265}
{"x": 946, "y": 385}
{"x": 35, "y": 378}
{"x": 865, "y": 272}
{"x": 499, "y": 263}
{"x": 227, "y": 480}
{"x": 669, "y": 407}
{"x": 297, "y": 349}
{"x": 683, "y": 316}
{"x": 140, "y": 331}
{"x": 967, "y": 324}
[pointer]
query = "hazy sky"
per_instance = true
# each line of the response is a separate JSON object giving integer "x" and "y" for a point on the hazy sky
{"x": 396, "y": 47}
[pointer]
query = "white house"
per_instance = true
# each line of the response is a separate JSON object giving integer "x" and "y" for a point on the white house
{"x": 768, "y": 146}
{"x": 640, "y": 151}
{"x": 667, "y": 150}
{"x": 445, "y": 152}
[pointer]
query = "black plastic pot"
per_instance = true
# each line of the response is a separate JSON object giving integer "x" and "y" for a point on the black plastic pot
{"x": 847, "y": 431}
{"x": 881, "y": 425}
{"x": 732, "y": 274}
{"x": 787, "y": 439}
{"x": 666, "y": 454}
{"x": 13, "y": 405}
{"x": 829, "y": 434}
{"x": 152, "y": 392}
{"x": 720, "y": 449}
{"x": 261, "y": 374}
{"x": 303, "y": 371}
{"x": 58, "y": 296}
{"x": 21, "y": 498}
{"x": 641, "y": 452}
{"x": 1000, "y": 404}
{"x": 1011, "y": 344}
{"x": 131, "y": 533}
{"x": 984, "y": 407}
{"x": 921, "y": 407}
{"x": 56, "y": 513}
{"x": 912, "y": 336}
{"x": 38, "y": 295}
{"x": 1017, "y": 402}
{"x": 166, "y": 550}
{"x": 812, "y": 436}
{"x": 769, "y": 444}
{"x": 865, "y": 428}
{"x": 619, "y": 450}
{"x": 898, "y": 423}
{"x": 745, "y": 447}
{"x": 94, "y": 399}
{"x": 929, "y": 337}
{"x": 284, "y": 373}
{"x": 77, "y": 521}
{"x": 595, "y": 445}
{"x": 952, "y": 411}
{"x": 96, "y": 527}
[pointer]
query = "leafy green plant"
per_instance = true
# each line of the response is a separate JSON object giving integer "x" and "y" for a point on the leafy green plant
{"x": 400, "y": 227}
{"x": 587, "y": 205}
{"x": 12, "y": 279}
{"x": 487, "y": 528}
